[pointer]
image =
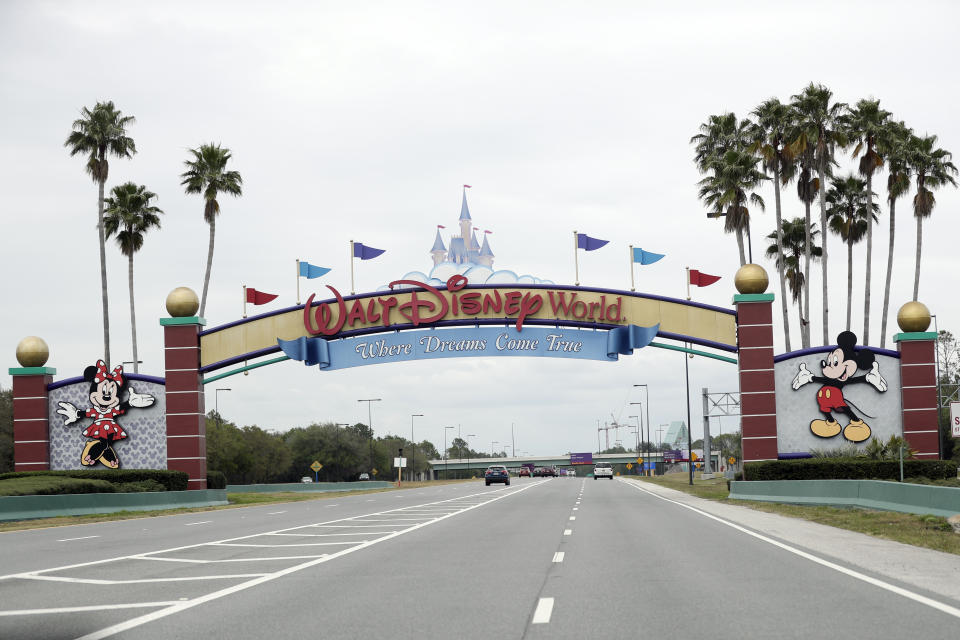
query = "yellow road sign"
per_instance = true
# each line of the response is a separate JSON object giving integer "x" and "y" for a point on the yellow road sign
{"x": 629, "y": 466}
{"x": 374, "y": 472}
{"x": 639, "y": 460}
{"x": 316, "y": 466}
{"x": 732, "y": 460}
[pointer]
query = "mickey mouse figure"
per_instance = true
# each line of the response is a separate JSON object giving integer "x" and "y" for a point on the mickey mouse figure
{"x": 105, "y": 390}
{"x": 838, "y": 371}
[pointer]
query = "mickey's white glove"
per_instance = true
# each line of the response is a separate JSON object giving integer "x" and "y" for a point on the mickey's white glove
{"x": 69, "y": 412}
{"x": 876, "y": 379}
{"x": 803, "y": 376}
{"x": 139, "y": 400}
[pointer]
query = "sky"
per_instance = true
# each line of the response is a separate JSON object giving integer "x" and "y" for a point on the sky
{"x": 362, "y": 121}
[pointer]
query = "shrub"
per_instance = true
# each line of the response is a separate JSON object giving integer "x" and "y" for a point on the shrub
{"x": 170, "y": 480}
{"x": 141, "y": 486}
{"x": 216, "y": 480}
{"x": 52, "y": 485}
{"x": 848, "y": 469}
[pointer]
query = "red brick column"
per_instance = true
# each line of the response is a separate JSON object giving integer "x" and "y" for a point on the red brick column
{"x": 186, "y": 420}
{"x": 758, "y": 404}
{"x": 31, "y": 420}
{"x": 918, "y": 384}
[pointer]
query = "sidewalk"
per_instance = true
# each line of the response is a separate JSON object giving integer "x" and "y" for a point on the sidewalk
{"x": 933, "y": 571}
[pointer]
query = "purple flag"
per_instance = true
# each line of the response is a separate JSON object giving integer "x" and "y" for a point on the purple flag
{"x": 364, "y": 252}
{"x": 587, "y": 243}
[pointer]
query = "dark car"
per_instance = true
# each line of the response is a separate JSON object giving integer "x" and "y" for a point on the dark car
{"x": 497, "y": 473}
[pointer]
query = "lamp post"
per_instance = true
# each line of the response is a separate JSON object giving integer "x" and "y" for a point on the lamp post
{"x": 136, "y": 369}
{"x": 446, "y": 455}
{"x": 640, "y": 426}
{"x": 413, "y": 450}
{"x": 491, "y": 447}
{"x": 339, "y": 452}
{"x": 469, "y": 435}
{"x": 370, "y": 426}
{"x": 637, "y": 431}
{"x": 646, "y": 394}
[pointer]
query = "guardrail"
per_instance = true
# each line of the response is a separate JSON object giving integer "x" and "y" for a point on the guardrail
{"x": 79, "y": 504}
{"x": 869, "y": 494}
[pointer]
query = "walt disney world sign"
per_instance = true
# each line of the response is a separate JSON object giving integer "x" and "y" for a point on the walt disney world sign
{"x": 416, "y": 320}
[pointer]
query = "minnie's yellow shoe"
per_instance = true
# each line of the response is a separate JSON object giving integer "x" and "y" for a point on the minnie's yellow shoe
{"x": 856, "y": 431}
{"x": 825, "y": 428}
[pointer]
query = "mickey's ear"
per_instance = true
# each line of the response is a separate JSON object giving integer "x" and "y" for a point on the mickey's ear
{"x": 846, "y": 339}
{"x": 89, "y": 373}
{"x": 865, "y": 358}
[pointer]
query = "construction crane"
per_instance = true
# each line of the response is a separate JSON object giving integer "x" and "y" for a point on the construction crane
{"x": 606, "y": 427}
{"x": 616, "y": 425}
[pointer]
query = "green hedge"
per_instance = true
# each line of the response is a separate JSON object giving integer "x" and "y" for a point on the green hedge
{"x": 169, "y": 480}
{"x": 50, "y": 486}
{"x": 848, "y": 469}
{"x": 216, "y": 480}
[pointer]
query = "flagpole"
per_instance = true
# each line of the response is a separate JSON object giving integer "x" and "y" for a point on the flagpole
{"x": 688, "y": 283}
{"x": 244, "y": 301}
{"x": 298, "y": 280}
{"x": 576, "y": 263}
{"x": 632, "y": 287}
{"x": 351, "y": 267}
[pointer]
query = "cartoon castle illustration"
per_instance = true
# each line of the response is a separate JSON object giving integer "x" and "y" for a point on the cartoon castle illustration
{"x": 464, "y": 248}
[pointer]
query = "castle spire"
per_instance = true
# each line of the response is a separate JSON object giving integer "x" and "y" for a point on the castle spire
{"x": 464, "y": 210}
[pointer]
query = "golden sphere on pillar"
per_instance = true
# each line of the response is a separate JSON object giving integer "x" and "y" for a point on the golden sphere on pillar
{"x": 182, "y": 302}
{"x": 913, "y": 317}
{"x": 32, "y": 352}
{"x": 751, "y": 278}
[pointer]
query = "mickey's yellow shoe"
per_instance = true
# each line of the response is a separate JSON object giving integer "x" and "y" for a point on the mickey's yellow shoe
{"x": 825, "y": 428}
{"x": 856, "y": 431}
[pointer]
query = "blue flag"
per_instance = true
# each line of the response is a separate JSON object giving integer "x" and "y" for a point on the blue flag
{"x": 310, "y": 271}
{"x": 645, "y": 257}
{"x": 587, "y": 243}
{"x": 364, "y": 252}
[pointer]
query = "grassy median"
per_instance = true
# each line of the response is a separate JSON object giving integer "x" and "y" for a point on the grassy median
{"x": 930, "y": 532}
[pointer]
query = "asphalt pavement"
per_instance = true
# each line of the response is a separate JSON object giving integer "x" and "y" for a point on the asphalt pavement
{"x": 542, "y": 558}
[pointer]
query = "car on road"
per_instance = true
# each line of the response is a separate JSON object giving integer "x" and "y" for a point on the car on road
{"x": 571, "y": 473}
{"x": 602, "y": 470}
{"x": 306, "y": 480}
{"x": 497, "y": 473}
{"x": 524, "y": 472}
{"x": 364, "y": 476}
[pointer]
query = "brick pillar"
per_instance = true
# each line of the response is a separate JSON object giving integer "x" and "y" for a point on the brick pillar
{"x": 758, "y": 404}
{"x": 186, "y": 422}
{"x": 31, "y": 420}
{"x": 918, "y": 383}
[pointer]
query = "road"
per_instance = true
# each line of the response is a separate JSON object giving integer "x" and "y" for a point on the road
{"x": 542, "y": 558}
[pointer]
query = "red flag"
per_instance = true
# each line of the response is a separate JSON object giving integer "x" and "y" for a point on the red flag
{"x": 440, "y": 226}
{"x": 702, "y": 279}
{"x": 259, "y": 297}
{"x": 488, "y": 231}
{"x": 466, "y": 186}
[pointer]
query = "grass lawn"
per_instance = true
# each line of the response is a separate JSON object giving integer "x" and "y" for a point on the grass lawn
{"x": 931, "y": 532}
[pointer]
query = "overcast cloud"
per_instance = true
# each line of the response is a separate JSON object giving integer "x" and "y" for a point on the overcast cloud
{"x": 361, "y": 121}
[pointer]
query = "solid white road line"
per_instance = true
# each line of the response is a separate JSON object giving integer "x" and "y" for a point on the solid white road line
{"x": 193, "y": 561}
{"x": 190, "y": 524}
{"x": 140, "y": 581}
{"x": 82, "y": 538}
{"x": 543, "y": 611}
{"x": 99, "y": 607}
{"x": 558, "y": 556}
{"x": 916, "y": 597}
{"x": 275, "y": 513}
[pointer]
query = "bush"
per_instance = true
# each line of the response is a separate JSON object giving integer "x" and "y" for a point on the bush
{"x": 52, "y": 485}
{"x": 169, "y": 480}
{"x": 848, "y": 469}
{"x": 139, "y": 487}
{"x": 216, "y": 480}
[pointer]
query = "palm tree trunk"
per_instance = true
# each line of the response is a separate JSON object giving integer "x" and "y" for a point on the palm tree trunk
{"x": 780, "y": 261}
{"x": 103, "y": 275}
{"x": 916, "y": 273}
{"x": 886, "y": 288}
{"x": 206, "y": 276}
{"x": 133, "y": 314}
{"x": 866, "y": 293}
{"x": 823, "y": 259}
{"x": 849, "y": 280}
{"x": 805, "y": 328}
{"x": 743, "y": 259}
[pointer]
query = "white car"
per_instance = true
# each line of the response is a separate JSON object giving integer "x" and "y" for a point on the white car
{"x": 602, "y": 470}
{"x": 306, "y": 480}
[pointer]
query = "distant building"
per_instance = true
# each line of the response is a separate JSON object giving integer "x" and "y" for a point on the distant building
{"x": 464, "y": 248}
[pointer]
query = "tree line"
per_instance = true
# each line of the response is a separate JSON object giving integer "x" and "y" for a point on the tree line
{"x": 798, "y": 141}
{"x": 129, "y": 213}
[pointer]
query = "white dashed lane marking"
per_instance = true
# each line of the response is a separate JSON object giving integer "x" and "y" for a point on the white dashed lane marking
{"x": 568, "y": 532}
{"x": 83, "y": 538}
{"x": 543, "y": 611}
{"x": 558, "y": 556}
{"x": 190, "y": 524}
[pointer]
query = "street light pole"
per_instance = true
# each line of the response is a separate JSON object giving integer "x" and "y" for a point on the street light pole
{"x": 370, "y": 426}
{"x": 640, "y": 426}
{"x": 446, "y": 456}
{"x": 646, "y": 393}
{"x": 469, "y": 435}
{"x": 136, "y": 369}
{"x": 413, "y": 454}
{"x": 491, "y": 447}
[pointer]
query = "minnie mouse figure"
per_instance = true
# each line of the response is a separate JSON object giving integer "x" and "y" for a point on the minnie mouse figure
{"x": 838, "y": 370}
{"x": 105, "y": 390}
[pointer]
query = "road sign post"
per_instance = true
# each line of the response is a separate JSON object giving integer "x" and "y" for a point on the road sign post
{"x": 316, "y": 466}
{"x": 955, "y": 419}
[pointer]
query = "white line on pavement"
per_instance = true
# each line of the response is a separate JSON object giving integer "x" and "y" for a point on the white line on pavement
{"x": 190, "y": 524}
{"x": 82, "y": 538}
{"x": 916, "y": 597}
{"x": 558, "y": 556}
{"x": 99, "y": 607}
{"x": 573, "y": 517}
{"x": 275, "y": 513}
{"x": 568, "y": 532}
{"x": 140, "y": 581}
{"x": 543, "y": 611}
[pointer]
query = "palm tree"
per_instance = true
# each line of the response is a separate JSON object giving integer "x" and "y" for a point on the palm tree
{"x": 728, "y": 190}
{"x": 894, "y": 145}
{"x": 768, "y": 137}
{"x": 933, "y": 169}
{"x": 206, "y": 174}
{"x": 820, "y": 128}
{"x": 865, "y": 123}
{"x": 129, "y": 215}
{"x": 98, "y": 134}
{"x": 807, "y": 186}
{"x": 793, "y": 240}
{"x": 848, "y": 204}
{"x": 718, "y": 135}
